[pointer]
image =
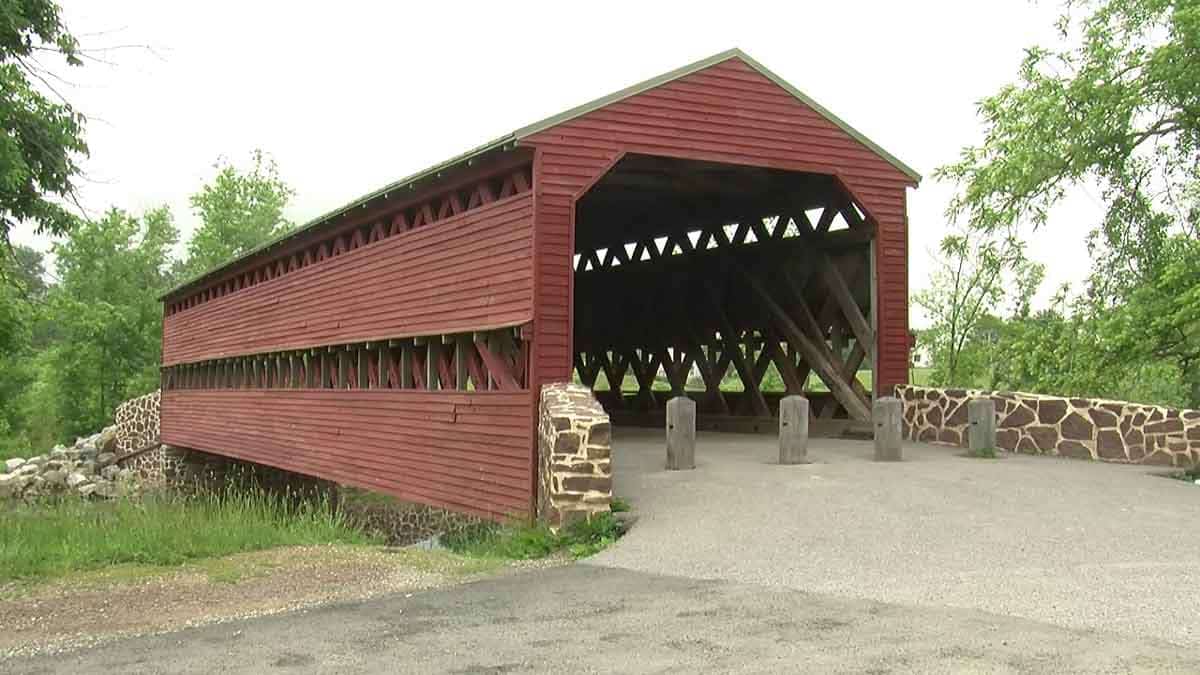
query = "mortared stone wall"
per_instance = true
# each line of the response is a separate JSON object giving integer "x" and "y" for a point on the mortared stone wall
{"x": 1084, "y": 428}
{"x": 574, "y": 449}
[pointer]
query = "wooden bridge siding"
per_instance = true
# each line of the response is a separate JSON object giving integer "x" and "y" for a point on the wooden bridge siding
{"x": 726, "y": 113}
{"x": 466, "y": 451}
{"x": 466, "y": 272}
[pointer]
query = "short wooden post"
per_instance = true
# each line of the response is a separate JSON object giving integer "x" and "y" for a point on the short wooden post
{"x": 681, "y": 433}
{"x": 886, "y": 413}
{"x": 793, "y": 430}
{"x": 981, "y": 430}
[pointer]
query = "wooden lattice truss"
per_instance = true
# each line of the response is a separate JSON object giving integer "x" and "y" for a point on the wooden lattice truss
{"x": 789, "y": 289}
{"x": 494, "y": 360}
{"x": 389, "y": 223}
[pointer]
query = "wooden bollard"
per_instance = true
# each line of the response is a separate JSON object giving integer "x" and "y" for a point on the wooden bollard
{"x": 981, "y": 428}
{"x": 886, "y": 414}
{"x": 793, "y": 430}
{"x": 681, "y": 433}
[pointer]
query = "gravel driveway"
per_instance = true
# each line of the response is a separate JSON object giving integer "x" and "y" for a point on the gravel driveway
{"x": 1073, "y": 543}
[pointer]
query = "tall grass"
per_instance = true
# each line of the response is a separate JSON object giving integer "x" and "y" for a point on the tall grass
{"x": 54, "y": 538}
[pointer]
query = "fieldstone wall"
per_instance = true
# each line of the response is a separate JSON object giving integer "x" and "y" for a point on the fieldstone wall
{"x": 88, "y": 468}
{"x": 136, "y": 421}
{"x": 137, "y": 424}
{"x": 574, "y": 453}
{"x": 1084, "y": 428}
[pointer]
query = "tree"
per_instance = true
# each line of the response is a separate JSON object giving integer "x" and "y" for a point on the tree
{"x": 969, "y": 283}
{"x": 1119, "y": 108}
{"x": 40, "y": 139}
{"x": 239, "y": 210}
{"x": 18, "y": 316}
{"x": 106, "y": 307}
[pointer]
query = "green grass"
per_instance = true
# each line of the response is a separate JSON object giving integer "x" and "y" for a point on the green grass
{"x": 57, "y": 538}
{"x": 523, "y": 541}
{"x": 620, "y": 505}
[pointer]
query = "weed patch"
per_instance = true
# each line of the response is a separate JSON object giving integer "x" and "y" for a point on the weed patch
{"x": 522, "y": 541}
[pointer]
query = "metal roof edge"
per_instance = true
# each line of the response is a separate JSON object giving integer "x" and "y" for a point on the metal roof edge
{"x": 406, "y": 182}
{"x": 713, "y": 60}
{"x": 632, "y": 90}
{"x": 825, "y": 112}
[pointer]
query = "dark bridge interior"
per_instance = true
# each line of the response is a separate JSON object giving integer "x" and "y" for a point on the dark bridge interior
{"x": 735, "y": 284}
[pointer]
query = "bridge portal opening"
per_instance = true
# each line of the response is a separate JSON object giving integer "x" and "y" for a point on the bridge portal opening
{"x": 735, "y": 285}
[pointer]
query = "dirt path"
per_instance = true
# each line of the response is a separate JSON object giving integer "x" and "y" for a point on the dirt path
{"x": 93, "y": 608}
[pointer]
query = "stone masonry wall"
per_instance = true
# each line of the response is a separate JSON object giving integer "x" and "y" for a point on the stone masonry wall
{"x": 1084, "y": 428}
{"x": 137, "y": 424}
{"x": 574, "y": 455}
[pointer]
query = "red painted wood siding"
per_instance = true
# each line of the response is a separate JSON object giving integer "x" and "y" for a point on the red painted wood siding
{"x": 467, "y": 272}
{"x": 729, "y": 113}
{"x": 466, "y": 451}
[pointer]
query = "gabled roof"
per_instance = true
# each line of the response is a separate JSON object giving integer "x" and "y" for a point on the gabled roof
{"x": 510, "y": 140}
{"x": 713, "y": 60}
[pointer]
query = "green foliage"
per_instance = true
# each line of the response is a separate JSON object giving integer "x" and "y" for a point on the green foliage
{"x": 620, "y": 505}
{"x": 975, "y": 275}
{"x": 523, "y": 541}
{"x": 108, "y": 316}
{"x": 516, "y": 541}
{"x": 1075, "y": 349}
{"x": 588, "y": 537}
{"x": 239, "y": 210}
{"x": 18, "y": 318}
{"x": 1115, "y": 107}
{"x": 70, "y": 352}
{"x": 40, "y": 139}
{"x": 52, "y": 539}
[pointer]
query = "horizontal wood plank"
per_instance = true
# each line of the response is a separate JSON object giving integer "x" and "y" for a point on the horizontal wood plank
{"x": 469, "y": 451}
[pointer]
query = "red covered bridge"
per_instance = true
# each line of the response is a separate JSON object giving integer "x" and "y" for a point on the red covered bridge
{"x": 711, "y": 223}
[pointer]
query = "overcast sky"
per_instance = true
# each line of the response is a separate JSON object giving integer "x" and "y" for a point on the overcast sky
{"x": 349, "y": 96}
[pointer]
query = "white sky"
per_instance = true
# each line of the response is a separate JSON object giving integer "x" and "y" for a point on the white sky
{"x": 350, "y": 96}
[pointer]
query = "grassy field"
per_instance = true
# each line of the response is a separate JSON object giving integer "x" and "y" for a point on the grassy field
{"x": 53, "y": 539}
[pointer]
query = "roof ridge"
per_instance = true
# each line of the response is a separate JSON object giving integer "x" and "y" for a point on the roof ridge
{"x": 554, "y": 120}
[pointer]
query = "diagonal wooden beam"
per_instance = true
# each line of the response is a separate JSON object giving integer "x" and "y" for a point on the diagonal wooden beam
{"x": 475, "y": 367}
{"x": 641, "y": 366}
{"x": 759, "y": 229}
{"x": 615, "y": 373}
{"x": 787, "y": 369}
{"x": 497, "y": 368}
{"x": 815, "y": 356}
{"x": 816, "y": 332}
{"x": 712, "y": 379}
{"x": 827, "y": 215}
{"x": 850, "y": 309}
{"x": 734, "y": 351}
